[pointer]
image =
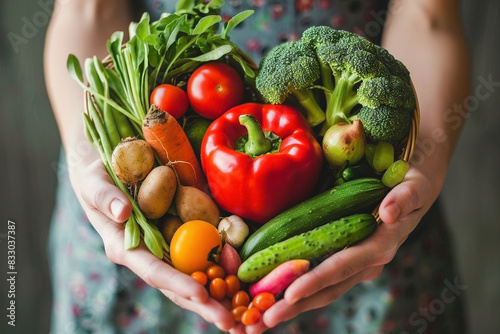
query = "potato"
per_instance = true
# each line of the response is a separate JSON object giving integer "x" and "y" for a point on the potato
{"x": 132, "y": 160}
{"x": 194, "y": 204}
{"x": 157, "y": 192}
{"x": 170, "y": 225}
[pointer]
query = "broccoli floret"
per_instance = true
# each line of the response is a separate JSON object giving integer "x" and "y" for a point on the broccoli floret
{"x": 349, "y": 69}
{"x": 387, "y": 90}
{"x": 384, "y": 123}
{"x": 396, "y": 67}
{"x": 291, "y": 68}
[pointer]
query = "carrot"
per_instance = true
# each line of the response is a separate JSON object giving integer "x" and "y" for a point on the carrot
{"x": 169, "y": 141}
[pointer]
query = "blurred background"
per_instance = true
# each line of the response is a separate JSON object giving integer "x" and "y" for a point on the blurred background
{"x": 29, "y": 168}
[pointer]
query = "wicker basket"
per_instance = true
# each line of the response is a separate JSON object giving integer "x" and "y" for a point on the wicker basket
{"x": 410, "y": 143}
{"x": 406, "y": 155}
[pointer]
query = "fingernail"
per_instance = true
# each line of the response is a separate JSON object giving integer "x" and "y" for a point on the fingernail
{"x": 394, "y": 211}
{"x": 117, "y": 207}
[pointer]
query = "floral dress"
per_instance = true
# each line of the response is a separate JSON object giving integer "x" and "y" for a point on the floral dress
{"x": 418, "y": 292}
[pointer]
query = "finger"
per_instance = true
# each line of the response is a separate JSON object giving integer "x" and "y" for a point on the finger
{"x": 408, "y": 196}
{"x": 258, "y": 328}
{"x": 144, "y": 264}
{"x": 211, "y": 310}
{"x": 283, "y": 311}
{"x": 378, "y": 249}
{"x": 99, "y": 193}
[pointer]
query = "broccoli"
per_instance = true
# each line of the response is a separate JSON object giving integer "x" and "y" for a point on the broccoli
{"x": 384, "y": 123}
{"x": 387, "y": 90}
{"x": 349, "y": 69}
{"x": 291, "y": 68}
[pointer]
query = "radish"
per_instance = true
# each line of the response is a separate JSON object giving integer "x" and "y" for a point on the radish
{"x": 280, "y": 277}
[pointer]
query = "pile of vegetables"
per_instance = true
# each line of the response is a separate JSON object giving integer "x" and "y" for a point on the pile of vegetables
{"x": 242, "y": 176}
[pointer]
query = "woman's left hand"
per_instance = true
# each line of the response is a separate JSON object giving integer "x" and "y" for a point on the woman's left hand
{"x": 400, "y": 211}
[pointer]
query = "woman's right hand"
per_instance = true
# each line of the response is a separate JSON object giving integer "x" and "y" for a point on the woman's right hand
{"x": 107, "y": 208}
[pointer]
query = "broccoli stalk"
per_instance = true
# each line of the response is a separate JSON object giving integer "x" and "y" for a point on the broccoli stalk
{"x": 341, "y": 100}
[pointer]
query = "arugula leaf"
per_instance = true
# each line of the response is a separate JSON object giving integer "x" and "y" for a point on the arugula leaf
{"x": 234, "y": 21}
{"x": 215, "y": 54}
{"x": 205, "y": 23}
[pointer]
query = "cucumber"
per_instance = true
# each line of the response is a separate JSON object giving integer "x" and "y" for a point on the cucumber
{"x": 356, "y": 172}
{"x": 356, "y": 196}
{"x": 321, "y": 241}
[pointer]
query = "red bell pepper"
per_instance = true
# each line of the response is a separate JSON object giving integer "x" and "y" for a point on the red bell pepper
{"x": 260, "y": 159}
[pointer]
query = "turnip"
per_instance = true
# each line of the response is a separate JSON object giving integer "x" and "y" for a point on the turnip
{"x": 132, "y": 160}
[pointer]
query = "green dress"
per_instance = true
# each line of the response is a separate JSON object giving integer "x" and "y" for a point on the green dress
{"x": 418, "y": 292}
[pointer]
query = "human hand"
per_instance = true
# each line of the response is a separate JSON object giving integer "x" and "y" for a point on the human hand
{"x": 107, "y": 207}
{"x": 400, "y": 211}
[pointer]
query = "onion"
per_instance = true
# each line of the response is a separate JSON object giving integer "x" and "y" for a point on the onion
{"x": 344, "y": 142}
{"x": 233, "y": 230}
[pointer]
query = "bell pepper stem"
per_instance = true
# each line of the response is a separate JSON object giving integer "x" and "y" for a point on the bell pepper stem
{"x": 257, "y": 143}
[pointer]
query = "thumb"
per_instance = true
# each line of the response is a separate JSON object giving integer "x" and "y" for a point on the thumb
{"x": 406, "y": 197}
{"x": 100, "y": 194}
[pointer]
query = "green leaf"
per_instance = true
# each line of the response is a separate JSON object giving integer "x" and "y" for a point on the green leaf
{"x": 142, "y": 29}
{"x": 154, "y": 58}
{"x": 115, "y": 49}
{"x": 132, "y": 233}
{"x": 234, "y": 21}
{"x": 74, "y": 68}
{"x": 171, "y": 37}
{"x": 153, "y": 240}
{"x": 205, "y": 23}
{"x": 246, "y": 68}
{"x": 185, "y": 5}
{"x": 94, "y": 80}
{"x": 214, "y": 54}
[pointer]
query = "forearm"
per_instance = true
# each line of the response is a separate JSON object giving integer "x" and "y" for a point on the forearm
{"x": 80, "y": 27}
{"x": 427, "y": 37}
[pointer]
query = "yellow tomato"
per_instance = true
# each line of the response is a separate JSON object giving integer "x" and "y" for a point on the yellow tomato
{"x": 195, "y": 246}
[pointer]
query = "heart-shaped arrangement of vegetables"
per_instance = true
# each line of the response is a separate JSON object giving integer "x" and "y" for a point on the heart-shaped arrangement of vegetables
{"x": 241, "y": 176}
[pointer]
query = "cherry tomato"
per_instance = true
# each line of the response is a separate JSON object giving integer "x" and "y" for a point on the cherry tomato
{"x": 263, "y": 301}
{"x": 218, "y": 288}
{"x": 171, "y": 99}
{"x": 240, "y": 298}
{"x": 200, "y": 277}
{"x": 233, "y": 285}
{"x": 213, "y": 88}
{"x": 250, "y": 316}
{"x": 215, "y": 271}
{"x": 194, "y": 245}
{"x": 237, "y": 312}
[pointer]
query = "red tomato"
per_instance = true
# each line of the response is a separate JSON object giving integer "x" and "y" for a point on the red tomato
{"x": 240, "y": 298}
{"x": 214, "y": 88}
{"x": 218, "y": 288}
{"x": 215, "y": 271}
{"x": 233, "y": 285}
{"x": 263, "y": 301}
{"x": 171, "y": 99}
{"x": 250, "y": 316}
{"x": 237, "y": 312}
{"x": 200, "y": 277}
